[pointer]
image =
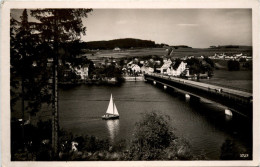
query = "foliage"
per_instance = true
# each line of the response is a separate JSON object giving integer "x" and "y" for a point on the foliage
{"x": 248, "y": 65}
{"x": 242, "y": 60}
{"x": 57, "y": 26}
{"x": 197, "y": 67}
{"x": 34, "y": 135}
{"x": 32, "y": 44}
{"x": 67, "y": 75}
{"x": 154, "y": 140}
{"x": 233, "y": 65}
{"x": 27, "y": 64}
{"x": 108, "y": 72}
{"x": 121, "y": 43}
{"x": 210, "y": 62}
{"x": 230, "y": 151}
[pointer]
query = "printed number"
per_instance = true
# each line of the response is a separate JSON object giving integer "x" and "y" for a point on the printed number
{"x": 244, "y": 155}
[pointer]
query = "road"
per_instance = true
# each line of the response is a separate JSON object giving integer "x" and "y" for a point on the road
{"x": 206, "y": 86}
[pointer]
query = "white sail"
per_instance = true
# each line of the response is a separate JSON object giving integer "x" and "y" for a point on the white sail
{"x": 110, "y": 106}
{"x": 115, "y": 110}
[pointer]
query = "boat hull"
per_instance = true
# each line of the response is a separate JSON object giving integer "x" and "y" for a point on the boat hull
{"x": 108, "y": 117}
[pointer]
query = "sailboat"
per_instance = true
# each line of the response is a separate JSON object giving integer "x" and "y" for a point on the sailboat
{"x": 112, "y": 112}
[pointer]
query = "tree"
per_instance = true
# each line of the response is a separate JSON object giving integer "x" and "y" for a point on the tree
{"x": 154, "y": 140}
{"x": 209, "y": 61}
{"x": 29, "y": 74}
{"x": 233, "y": 65}
{"x": 28, "y": 62}
{"x": 151, "y": 137}
{"x": 229, "y": 150}
{"x": 197, "y": 67}
{"x": 57, "y": 26}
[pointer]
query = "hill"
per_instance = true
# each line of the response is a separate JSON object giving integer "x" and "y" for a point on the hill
{"x": 125, "y": 43}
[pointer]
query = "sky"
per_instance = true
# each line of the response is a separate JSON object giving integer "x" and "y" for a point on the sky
{"x": 198, "y": 28}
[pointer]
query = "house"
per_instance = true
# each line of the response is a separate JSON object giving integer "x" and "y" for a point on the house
{"x": 124, "y": 70}
{"x": 117, "y": 49}
{"x": 129, "y": 64}
{"x": 136, "y": 60}
{"x": 157, "y": 62}
{"x": 135, "y": 68}
{"x": 165, "y": 66}
{"x": 239, "y": 55}
{"x": 82, "y": 71}
{"x": 177, "y": 68}
{"x": 147, "y": 70}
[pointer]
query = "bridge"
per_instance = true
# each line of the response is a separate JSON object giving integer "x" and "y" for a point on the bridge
{"x": 237, "y": 101}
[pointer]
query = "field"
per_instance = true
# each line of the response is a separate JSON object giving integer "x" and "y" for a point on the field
{"x": 178, "y": 53}
{"x": 233, "y": 79}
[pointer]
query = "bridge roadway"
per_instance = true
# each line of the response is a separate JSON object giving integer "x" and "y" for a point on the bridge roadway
{"x": 236, "y": 100}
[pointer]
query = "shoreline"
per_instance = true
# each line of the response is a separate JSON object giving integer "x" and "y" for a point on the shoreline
{"x": 133, "y": 79}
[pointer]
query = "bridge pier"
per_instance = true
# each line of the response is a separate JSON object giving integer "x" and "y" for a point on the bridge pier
{"x": 228, "y": 112}
{"x": 192, "y": 91}
{"x": 191, "y": 98}
{"x": 187, "y": 97}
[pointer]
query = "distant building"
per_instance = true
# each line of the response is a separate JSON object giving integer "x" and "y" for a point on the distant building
{"x": 117, "y": 49}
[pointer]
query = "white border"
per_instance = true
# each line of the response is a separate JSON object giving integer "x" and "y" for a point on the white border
{"x": 5, "y": 74}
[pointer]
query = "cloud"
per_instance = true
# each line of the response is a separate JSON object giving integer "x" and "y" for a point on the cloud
{"x": 188, "y": 25}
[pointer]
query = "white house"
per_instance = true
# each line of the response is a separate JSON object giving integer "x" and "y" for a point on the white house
{"x": 146, "y": 70}
{"x": 135, "y": 68}
{"x": 165, "y": 66}
{"x": 82, "y": 71}
{"x": 177, "y": 71}
{"x": 117, "y": 49}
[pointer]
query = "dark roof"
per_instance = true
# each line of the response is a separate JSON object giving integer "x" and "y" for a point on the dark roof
{"x": 175, "y": 64}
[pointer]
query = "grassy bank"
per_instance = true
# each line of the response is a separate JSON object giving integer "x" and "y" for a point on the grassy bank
{"x": 233, "y": 79}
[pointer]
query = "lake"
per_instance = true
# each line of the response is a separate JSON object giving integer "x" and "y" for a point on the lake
{"x": 203, "y": 123}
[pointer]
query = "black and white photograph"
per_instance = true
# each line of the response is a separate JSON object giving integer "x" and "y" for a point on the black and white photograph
{"x": 130, "y": 84}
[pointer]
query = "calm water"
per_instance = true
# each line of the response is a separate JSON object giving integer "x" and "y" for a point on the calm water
{"x": 203, "y": 124}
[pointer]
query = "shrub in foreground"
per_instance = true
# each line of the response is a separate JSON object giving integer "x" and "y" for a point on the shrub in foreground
{"x": 154, "y": 140}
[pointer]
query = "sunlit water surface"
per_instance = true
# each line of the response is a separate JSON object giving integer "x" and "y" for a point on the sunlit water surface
{"x": 203, "y": 124}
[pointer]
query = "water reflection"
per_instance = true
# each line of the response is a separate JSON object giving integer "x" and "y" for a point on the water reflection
{"x": 113, "y": 128}
{"x": 228, "y": 117}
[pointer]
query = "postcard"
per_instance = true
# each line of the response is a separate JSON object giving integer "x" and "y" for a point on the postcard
{"x": 130, "y": 83}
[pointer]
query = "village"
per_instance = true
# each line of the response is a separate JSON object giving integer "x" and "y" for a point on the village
{"x": 132, "y": 68}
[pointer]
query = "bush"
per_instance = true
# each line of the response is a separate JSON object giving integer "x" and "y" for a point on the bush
{"x": 233, "y": 65}
{"x": 154, "y": 140}
{"x": 231, "y": 151}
